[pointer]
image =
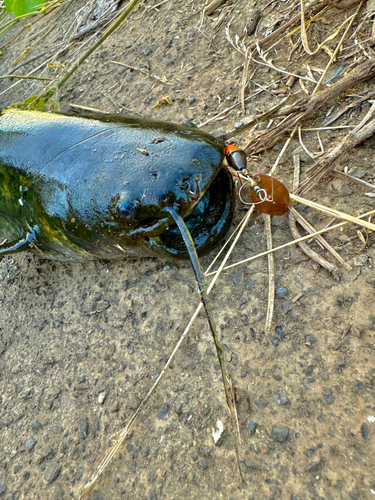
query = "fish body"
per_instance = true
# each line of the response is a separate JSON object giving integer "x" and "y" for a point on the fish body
{"x": 78, "y": 188}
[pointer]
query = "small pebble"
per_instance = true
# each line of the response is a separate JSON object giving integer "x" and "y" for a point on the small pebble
{"x": 280, "y": 434}
{"x": 262, "y": 402}
{"x": 30, "y": 444}
{"x": 281, "y": 292}
{"x": 280, "y": 398}
{"x": 245, "y": 319}
{"x": 310, "y": 370}
{"x": 328, "y": 396}
{"x": 365, "y": 431}
{"x": 253, "y": 427}
{"x": 147, "y": 52}
{"x": 205, "y": 409}
{"x": 275, "y": 340}
{"x": 340, "y": 363}
{"x": 280, "y": 332}
{"x": 163, "y": 413}
{"x": 36, "y": 426}
{"x": 286, "y": 307}
{"x": 313, "y": 467}
{"x": 101, "y": 397}
{"x": 101, "y": 306}
{"x": 82, "y": 428}
{"x": 238, "y": 125}
{"x": 310, "y": 452}
{"x": 191, "y": 99}
{"x": 310, "y": 341}
{"x": 52, "y": 473}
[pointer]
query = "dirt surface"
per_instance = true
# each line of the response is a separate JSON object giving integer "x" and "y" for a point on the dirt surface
{"x": 82, "y": 344}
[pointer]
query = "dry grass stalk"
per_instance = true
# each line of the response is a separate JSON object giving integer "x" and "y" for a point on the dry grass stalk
{"x": 354, "y": 180}
{"x": 309, "y": 228}
{"x": 86, "y": 109}
{"x": 333, "y": 212}
{"x": 305, "y": 42}
{"x": 282, "y": 152}
{"x": 291, "y": 243}
{"x": 271, "y": 273}
{"x": 305, "y": 247}
{"x": 333, "y": 57}
{"x": 212, "y": 6}
{"x": 296, "y": 173}
{"x": 364, "y": 130}
{"x": 307, "y": 106}
{"x": 294, "y": 215}
{"x": 147, "y": 73}
{"x": 313, "y": 8}
{"x": 256, "y": 120}
{"x": 22, "y": 77}
{"x": 222, "y": 113}
{"x": 353, "y": 105}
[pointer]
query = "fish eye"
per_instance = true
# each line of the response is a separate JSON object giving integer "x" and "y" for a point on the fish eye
{"x": 125, "y": 210}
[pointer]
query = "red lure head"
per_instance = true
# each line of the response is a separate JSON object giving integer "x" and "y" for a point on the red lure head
{"x": 236, "y": 158}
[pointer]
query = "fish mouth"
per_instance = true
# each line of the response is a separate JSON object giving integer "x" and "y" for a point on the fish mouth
{"x": 208, "y": 220}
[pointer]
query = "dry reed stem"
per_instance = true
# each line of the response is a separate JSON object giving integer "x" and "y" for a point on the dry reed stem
{"x": 222, "y": 113}
{"x": 310, "y": 229}
{"x": 333, "y": 212}
{"x": 212, "y": 6}
{"x": 296, "y": 172}
{"x": 291, "y": 243}
{"x": 354, "y": 180}
{"x": 354, "y": 104}
{"x": 333, "y": 57}
{"x": 147, "y": 73}
{"x": 305, "y": 247}
{"x": 307, "y": 106}
{"x": 305, "y": 42}
{"x": 294, "y": 216}
{"x": 271, "y": 273}
{"x": 22, "y": 77}
{"x": 364, "y": 130}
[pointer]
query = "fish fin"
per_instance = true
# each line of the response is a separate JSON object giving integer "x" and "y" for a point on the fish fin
{"x": 18, "y": 246}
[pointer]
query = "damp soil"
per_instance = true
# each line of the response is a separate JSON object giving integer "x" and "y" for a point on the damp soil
{"x": 81, "y": 344}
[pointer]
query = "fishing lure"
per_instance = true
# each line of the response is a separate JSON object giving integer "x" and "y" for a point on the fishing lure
{"x": 77, "y": 188}
{"x": 268, "y": 194}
